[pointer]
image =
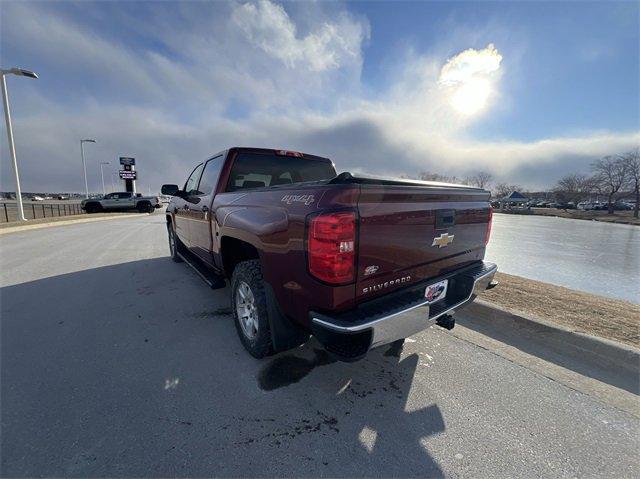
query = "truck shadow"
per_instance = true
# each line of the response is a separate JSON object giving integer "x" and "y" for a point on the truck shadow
{"x": 580, "y": 354}
{"x": 373, "y": 410}
{"x": 134, "y": 369}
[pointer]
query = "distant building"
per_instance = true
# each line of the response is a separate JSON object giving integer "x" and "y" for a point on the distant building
{"x": 514, "y": 200}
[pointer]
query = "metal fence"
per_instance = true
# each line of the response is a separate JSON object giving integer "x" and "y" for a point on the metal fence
{"x": 9, "y": 210}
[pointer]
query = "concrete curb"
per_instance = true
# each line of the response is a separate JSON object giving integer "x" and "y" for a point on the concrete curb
{"x": 616, "y": 363}
{"x": 27, "y": 227}
{"x": 600, "y": 346}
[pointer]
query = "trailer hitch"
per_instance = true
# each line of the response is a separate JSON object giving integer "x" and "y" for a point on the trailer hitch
{"x": 446, "y": 321}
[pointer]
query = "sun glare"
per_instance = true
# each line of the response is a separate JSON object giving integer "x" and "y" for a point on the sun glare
{"x": 471, "y": 96}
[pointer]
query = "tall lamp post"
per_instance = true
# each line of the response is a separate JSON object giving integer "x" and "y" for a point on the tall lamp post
{"x": 84, "y": 165}
{"x": 7, "y": 117}
{"x": 102, "y": 163}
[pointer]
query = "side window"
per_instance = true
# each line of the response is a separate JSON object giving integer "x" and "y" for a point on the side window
{"x": 124, "y": 196}
{"x": 190, "y": 187}
{"x": 209, "y": 179}
{"x": 110, "y": 196}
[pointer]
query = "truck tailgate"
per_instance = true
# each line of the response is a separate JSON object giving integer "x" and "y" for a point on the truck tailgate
{"x": 398, "y": 226}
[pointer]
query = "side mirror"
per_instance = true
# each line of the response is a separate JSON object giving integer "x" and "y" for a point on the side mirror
{"x": 170, "y": 190}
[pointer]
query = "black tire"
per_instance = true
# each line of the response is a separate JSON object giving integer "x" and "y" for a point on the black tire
{"x": 144, "y": 207}
{"x": 174, "y": 244}
{"x": 93, "y": 208}
{"x": 249, "y": 274}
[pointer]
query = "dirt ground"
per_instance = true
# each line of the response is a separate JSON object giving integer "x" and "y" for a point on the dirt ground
{"x": 609, "y": 318}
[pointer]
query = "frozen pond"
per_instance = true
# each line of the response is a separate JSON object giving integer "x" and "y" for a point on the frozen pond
{"x": 591, "y": 256}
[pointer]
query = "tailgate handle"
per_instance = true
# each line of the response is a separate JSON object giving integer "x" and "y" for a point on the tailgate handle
{"x": 445, "y": 218}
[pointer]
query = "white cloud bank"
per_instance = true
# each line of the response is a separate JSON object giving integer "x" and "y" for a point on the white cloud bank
{"x": 254, "y": 74}
{"x": 267, "y": 26}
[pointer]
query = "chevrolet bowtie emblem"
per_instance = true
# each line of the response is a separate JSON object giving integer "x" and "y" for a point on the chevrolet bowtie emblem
{"x": 445, "y": 239}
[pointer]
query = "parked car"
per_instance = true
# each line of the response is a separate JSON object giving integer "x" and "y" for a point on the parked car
{"x": 622, "y": 206}
{"x": 356, "y": 261}
{"x": 121, "y": 201}
{"x": 37, "y": 198}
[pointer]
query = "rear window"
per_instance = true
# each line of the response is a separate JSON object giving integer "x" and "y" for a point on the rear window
{"x": 252, "y": 170}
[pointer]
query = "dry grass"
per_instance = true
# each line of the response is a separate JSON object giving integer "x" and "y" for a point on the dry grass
{"x": 624, "y": 217}
{"x": 609, "y": 318}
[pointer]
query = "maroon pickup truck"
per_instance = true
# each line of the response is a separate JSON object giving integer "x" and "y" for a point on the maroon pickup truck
{"x": 357, "y": 262}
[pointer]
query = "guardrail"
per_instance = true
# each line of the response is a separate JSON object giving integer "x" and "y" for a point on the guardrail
{"x": 32, "y": 211}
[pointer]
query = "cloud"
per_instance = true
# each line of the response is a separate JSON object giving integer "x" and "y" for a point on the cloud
{"x": 470, "y": 64}
{"x": 269, "y": 27}
{"x": 189, "y": 82}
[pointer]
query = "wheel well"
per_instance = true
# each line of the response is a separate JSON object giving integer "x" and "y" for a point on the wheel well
{"x": 235, "y": 251}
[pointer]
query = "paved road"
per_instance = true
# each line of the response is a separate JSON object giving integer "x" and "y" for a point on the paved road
{"x": 118, "y": 362}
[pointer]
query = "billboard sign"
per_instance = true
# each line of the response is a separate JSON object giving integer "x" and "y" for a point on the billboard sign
{"x": 128, "y": 174}
{"x": 126, "y": 161}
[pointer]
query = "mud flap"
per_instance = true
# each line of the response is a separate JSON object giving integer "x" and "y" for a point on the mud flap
{"x": 284, "y": 334}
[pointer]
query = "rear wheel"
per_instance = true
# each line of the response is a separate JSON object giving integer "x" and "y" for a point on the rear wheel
{"x": 93, "y": 207}
{"x": 249, "y": 303}
{"x": 145, "y": 207}
{"x": 173, "y": 244}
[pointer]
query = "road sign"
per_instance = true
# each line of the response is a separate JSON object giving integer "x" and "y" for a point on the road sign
{"x": 128, "y": 174}
{"x": 125, "y": 160}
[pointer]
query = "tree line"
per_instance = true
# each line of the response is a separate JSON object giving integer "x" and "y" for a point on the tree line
{"x": 613, "y": 177}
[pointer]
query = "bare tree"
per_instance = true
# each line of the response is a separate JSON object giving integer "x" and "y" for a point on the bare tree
{"x": 428, "y": 176}
{"x": 632, "y": 165}
{"x": 481, "y": 179}
{"x": 573, "y": 187}
{"x": 503, "y": 189}
{"x": 611, "y": 175}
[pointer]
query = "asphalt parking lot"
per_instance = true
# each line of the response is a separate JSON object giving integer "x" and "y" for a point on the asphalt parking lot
{"x": 118, "y": 362}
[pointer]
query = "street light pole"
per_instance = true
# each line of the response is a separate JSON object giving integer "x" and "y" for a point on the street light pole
{"x": 84, "y": 165}
{"x": 102, "y": 163}
{"x": 7, "y": 117}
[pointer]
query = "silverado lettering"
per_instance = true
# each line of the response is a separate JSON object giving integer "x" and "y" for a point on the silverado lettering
{"x": 386, "y": 284}
{"x": 294, "y": 273}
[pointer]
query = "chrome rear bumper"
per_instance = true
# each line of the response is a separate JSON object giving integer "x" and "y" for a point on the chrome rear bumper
{"x": 400, "y": 314}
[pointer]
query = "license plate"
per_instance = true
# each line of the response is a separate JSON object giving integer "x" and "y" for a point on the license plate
{"x": 436, "y": 291}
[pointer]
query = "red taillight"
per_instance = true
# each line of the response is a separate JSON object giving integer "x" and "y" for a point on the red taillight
{"x": 331, "y": 246}
{"x": 489, "y": 224}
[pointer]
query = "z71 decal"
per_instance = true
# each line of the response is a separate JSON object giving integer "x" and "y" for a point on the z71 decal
{"x": 306, "y": 199}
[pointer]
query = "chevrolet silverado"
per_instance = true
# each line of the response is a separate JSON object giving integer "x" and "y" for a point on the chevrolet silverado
{"x": 356, "y": 261}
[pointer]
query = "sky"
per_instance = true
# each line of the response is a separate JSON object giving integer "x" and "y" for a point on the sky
{"x": 527, "y": 91}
